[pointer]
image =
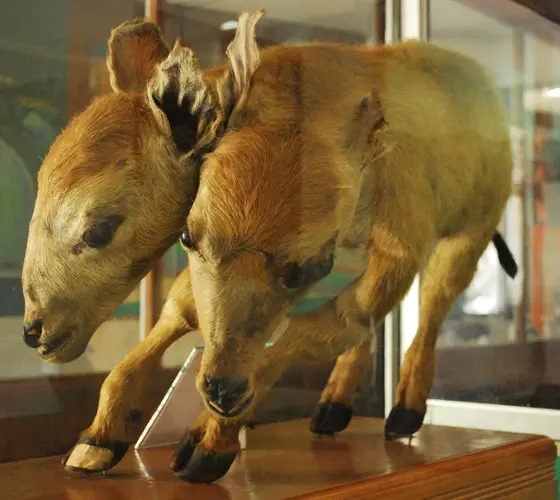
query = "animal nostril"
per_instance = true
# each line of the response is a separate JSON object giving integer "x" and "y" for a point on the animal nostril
{"x": 236, "y": 386}
{"x": 221, "y": 389}
{"x": 227, "y": 396}
{"x": 32, "y": 333}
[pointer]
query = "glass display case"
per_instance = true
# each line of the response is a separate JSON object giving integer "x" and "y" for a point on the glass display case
{"x": 496, "y": 365}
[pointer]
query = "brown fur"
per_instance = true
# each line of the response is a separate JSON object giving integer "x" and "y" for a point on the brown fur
{"x": 347, "y": 375}
{"x": 393, "y": 149}
{"x": 122, "y": 391}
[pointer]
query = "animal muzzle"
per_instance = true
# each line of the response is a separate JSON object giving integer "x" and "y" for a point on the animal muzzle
{"x": 33, "y": 337}
{"x": 228, "y": 397}
{"x": 61, "y": 345}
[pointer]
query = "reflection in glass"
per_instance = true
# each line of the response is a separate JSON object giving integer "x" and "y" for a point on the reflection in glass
{"x": 48, "y": 72}
{"x": 499, "y": 341}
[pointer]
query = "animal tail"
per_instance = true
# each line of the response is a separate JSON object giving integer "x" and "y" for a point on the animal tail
{"x": 507, "y": 261}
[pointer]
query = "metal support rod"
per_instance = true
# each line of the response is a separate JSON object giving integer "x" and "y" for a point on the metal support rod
{"x": 518, "y": 121}
{"x": 391, "y": 327}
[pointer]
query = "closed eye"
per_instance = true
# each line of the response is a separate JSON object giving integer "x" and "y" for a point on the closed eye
{"x": 100, "y": 235}
{"x": 293, "y": 275}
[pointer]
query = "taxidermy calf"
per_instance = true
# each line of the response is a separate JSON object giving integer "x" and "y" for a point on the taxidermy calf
{"x": 327, "y": 146}
{"x": 400, "y": 150}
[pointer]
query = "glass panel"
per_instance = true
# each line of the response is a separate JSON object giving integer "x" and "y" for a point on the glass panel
{"x": 52, "y": 64}
{"x": 499, "y": 343}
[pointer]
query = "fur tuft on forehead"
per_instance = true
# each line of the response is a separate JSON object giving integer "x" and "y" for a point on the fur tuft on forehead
{"x": 269, "y": 192}
{"x": 100, "y": 137}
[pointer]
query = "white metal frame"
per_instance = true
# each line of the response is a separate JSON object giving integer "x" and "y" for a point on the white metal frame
{"x": 413, "y": 22}
{"x": 494, "y": 417}
{"x": 405, "y": 19}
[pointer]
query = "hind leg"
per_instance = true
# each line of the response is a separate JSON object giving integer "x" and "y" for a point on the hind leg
{"x": 450, "y": 270}
{"x": 334, "y": 412}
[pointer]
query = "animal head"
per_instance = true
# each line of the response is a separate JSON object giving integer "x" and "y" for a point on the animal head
{"x": 264, "y": 225}
{"x": 115, "y": 189}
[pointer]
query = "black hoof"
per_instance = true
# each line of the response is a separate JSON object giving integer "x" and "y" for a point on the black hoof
{"x": 330, "y": 417}
{"x": 206, "y": 466}
{"x": 402, "y": 422}
{"x": 118, "y": 450}
{"x": 183, "y": 452}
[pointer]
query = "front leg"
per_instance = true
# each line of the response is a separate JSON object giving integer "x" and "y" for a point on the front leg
{"x": 208, "y": 449}
{"x": 121, "y": 402}
{"x": 335, "y": 408}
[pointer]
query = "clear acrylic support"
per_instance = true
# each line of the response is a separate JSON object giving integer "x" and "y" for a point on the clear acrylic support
{"x": 178, "y": 409}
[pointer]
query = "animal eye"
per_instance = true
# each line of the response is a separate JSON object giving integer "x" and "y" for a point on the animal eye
{"x": 99, "y": 235}
{"x": 293, "y": 276}
{"x": 186, "y": 239}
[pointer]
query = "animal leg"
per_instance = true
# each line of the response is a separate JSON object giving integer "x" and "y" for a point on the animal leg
{"x": 450, "y": 270}
{"x": 390, "y": 272}
{"x": 334, "y": 412}
{"x": 310, "y": 338}
{"x": 121, "y": 413}
{"x": 208, "y": 449}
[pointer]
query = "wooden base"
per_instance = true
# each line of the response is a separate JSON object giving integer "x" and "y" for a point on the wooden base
{"x": 285, "y": 461}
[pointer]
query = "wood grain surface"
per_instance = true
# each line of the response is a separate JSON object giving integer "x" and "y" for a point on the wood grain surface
{"x": 285, "y": 461}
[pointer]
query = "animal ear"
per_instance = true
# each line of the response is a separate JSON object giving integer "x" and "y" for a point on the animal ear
{"x": 135, "y": 47}
{"x": 366, "y": 131}
{"x": 369, "y": 113}
{"x": 243, "y": 53}
{"x": 181, "y": 100}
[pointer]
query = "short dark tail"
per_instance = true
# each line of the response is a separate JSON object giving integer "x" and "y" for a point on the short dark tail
{"x": 504, "y": 255}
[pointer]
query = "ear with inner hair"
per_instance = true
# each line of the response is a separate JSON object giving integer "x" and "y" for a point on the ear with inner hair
{"x": 176, "y": 89}
{"x": 232, "y": 87}
{"x": 179, "y": 89}
{"x": 243, "y": 54}
{"x": 196, "y": 108}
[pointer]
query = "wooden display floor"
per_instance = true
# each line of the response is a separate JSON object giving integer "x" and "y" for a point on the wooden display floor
{"x": 285, "y": 461}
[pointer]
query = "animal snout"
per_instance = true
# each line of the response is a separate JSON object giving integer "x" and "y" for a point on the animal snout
{"x": 227, "y": 395}
{"x": 32, "y": 333}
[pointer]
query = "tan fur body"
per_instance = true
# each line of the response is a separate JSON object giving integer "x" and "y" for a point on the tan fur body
{"x": 390, "y": 148}
{"x": 444, "y": 156}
